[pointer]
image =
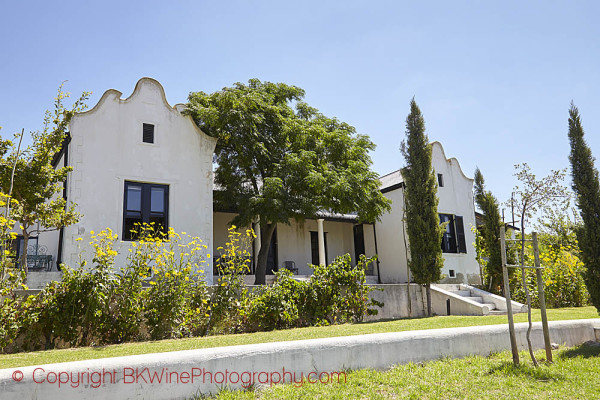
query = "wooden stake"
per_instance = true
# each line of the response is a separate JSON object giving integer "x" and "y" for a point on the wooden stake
{"x": 542, "y": 297}
{"x": 511, "y": 323}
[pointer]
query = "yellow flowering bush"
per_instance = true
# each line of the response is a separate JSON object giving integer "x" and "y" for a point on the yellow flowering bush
{"x": 230, "y": 295}
{"x": 176, "y": 300}
{"x": 562, "y": 275}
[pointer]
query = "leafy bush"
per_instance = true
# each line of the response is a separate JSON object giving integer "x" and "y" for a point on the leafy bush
{"x": 278, "y": 306}
{"x": 562, "y": 274}
{"x": 338, "y": 292}
{"x": 229, "y": 299}
{"x": 159, "y": 293}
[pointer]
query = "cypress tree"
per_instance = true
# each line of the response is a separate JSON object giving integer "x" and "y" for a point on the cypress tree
{"x": 490, "y": 232}
{"x": 587, "y": 191}
{"x": 422, "y": 219}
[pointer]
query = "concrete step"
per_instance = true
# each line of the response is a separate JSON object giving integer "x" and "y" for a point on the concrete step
{"x": 497, "y": 312}
{"x": 463, "y": 293}
{"x": 491, "y": 306}
{"x": 474, "y": 298}
{"x": 450, "y": 287}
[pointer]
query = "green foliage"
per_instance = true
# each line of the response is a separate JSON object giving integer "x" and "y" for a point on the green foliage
{"x": 336, "y": 293}
{"x": 280, "y": 159}
{"x": 490, "y": 232}
{"x": 563, "y": 274}
{"x": 160, "y": 294}
{"x": 422, "y": 219}
{"x": 587, "y": 190}
{"x": 229, "y": 298}
{"x": 12, "y": 309}
{"x": 490, "y": 236}
{"x": 278, "y": 306}
{"x": 36, "y": 181}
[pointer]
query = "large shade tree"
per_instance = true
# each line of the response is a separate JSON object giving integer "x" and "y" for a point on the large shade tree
{"x": 278, "y": 159}
{"x": 422, "y": 219}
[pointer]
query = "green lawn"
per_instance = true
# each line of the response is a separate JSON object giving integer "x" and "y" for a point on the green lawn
{"x": 574, "y": 375}
{"x": 56, "y": 356}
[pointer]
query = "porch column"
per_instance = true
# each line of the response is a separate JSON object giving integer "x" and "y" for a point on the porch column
{"x": 256, "y": 228}
{"x": 321, "y": 236}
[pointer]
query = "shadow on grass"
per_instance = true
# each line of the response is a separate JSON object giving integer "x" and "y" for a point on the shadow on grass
{"x": 390, "y": 320}
{"x": 543, "y": 374}
{"x": 585, "y": 350}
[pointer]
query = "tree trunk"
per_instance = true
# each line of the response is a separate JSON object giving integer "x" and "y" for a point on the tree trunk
{"x": 266, "y": 232}
{"x": 524, "y": 280}
{"x": 24, "y": 255}
{"x": 428, "y": 295}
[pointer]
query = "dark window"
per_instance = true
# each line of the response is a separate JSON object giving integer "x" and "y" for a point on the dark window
{"x": 460, "y": 234}
{"x": 359, "y": 242}
{"x": 272, "y": 262}
{"x": 314, "y": 247}
{"x": 440, "y": 180}
{"x": 453, "y": 240}
{"x": 145, "y": 202}
{"x": 148, "y": 133}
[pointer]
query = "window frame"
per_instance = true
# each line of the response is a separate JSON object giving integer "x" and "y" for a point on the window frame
{"x": 314, "y": 247}
{"x": 145, "y": 126}
{"x": 145, "y": 214}
{"x": 440, "y": 179}
{"x": 454, "y": 241}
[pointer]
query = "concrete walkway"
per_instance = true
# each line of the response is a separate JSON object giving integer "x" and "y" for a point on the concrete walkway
{"x": 183, "y": 374}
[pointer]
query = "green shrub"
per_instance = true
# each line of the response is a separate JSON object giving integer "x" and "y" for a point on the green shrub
{"x": 229, "y": 300}
{"x": 277, "y": 306}
{"x": 562, "y": 274}
{"x": 159, "y": 293}
{"x": 338, "y": 292}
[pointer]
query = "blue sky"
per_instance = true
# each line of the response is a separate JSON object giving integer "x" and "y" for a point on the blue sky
{"x": 493, "y": 79}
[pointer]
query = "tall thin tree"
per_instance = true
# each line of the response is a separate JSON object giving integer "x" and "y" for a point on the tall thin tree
{"x": 587, "y": 191}
{"x": 490, "y": 231}
{"x": 422, "y": 219}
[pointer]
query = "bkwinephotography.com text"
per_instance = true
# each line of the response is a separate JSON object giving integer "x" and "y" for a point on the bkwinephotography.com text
{"x": 163, "y": 376}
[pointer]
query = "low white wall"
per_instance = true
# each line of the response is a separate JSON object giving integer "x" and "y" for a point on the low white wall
{"x": 395, "y": 301}
{"x": 186, "y": 373}
{"x": 39, "y": 279}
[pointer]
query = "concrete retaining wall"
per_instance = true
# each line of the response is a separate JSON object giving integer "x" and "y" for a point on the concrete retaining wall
{"x": 395, "y": 301}
{"x": 185, "y": 373}
{"x": 39, "y": 279}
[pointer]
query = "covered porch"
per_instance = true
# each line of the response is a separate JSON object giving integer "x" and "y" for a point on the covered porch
{"x": 298, "y": 245}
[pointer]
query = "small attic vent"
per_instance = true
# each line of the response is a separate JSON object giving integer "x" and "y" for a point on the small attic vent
{"x": 148, "y": 133}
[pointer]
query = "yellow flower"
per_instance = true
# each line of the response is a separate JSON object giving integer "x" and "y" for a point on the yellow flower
{"x": 79, "y": 239}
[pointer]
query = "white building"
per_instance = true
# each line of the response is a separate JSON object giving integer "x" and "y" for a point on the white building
{"x": 296, "y": 243}
{"x": 140, "y": 160}
{"x": 455, "y": 194}
{"x": 135, "y": 160}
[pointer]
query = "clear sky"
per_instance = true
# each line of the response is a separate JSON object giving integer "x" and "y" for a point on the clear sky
{"x": 493, "y": 79}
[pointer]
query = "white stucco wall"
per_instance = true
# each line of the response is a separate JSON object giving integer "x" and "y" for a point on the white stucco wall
{"x": 455, "y": 197}
{"x": 390, "y": 241}
{"x": 293, "y": 240}
{"x": 107, "y": 149}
